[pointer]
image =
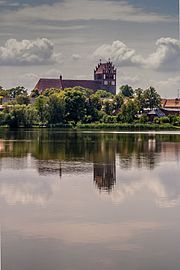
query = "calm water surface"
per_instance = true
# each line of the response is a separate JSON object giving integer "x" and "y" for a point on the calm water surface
{"x": 89, "y": 200}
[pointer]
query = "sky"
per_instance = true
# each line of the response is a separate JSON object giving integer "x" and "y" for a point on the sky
{"x": 43, "y": 38}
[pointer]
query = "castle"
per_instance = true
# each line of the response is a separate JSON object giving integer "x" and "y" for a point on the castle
{"x": 104, "y": 79}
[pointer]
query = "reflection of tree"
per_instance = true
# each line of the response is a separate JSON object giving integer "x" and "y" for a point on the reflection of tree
{"x": 132, "y": 150}
{"x": 46, "y": 167}
{"x": 57, "y": 152}
{"x": 138, "y": 150}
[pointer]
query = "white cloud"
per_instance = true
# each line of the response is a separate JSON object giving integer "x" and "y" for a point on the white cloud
{"x": 120, "y": 54}
{"x": 163, "y": 197}
{"x": 165, "y": 58}
{"x": 134, "y": 80}
{"x": 27, "y": 52}
{"x": 171, "y": 82}
{"x": 27, "y": 191}
{"x": 168, "y": 86}
{"x": 76, "y": 57}
{"x": 165, "y": 194}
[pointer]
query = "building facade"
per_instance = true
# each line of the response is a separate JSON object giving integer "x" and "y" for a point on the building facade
{"x": 104, "y": 79}
{"x": 105, "y": 75}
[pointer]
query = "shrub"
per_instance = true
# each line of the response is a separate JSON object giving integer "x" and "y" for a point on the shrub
{"x": 164, "y": 120}
{"x": 143, "y": 119}
{"x": 109, "y": 119}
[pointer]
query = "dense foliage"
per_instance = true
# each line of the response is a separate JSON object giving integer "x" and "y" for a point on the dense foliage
{"x": 79, "y": 106}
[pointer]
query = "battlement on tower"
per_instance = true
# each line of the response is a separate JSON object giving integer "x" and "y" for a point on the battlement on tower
{"x": 105, "y": 74}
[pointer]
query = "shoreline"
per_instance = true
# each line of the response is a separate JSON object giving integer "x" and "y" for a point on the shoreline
{"x": 119, "y": 127}
{"x": 129, "y": 127}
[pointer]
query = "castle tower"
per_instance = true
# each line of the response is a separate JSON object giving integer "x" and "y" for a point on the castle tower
{"x": 105, "y": 74}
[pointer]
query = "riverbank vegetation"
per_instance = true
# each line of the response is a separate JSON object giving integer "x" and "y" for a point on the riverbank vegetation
{"x": 82, "y": 108}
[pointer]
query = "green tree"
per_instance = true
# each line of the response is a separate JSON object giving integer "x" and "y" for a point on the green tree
{"x": 129, "y": 111}
{"x": 139, "y": 99}
{"x": 143, "y": 119}
{"x": 3, "y": 92}
{"x": 86, "y": 91}
{"x": 2, "y": 118}
{"x": 30, "y": 116}
{"x": 56, "y": 109}
{"x": 22, "y": 99}
{"x": 108, "y": 107}
{"x": 103, "y": 94}
{"x": 15, "y": 116}
{"x": 93, "y": 105}
{"x": 118, "y": 101}
{"x": 126, "y": 91}
{"x": 34, "y": 93}
{"x": 16, "y": 91}
{"x": 164, "y": 120}
{"x": 109, "y": 119}
{"x": 152, "y": 98}
{"x": 51, "y": 91}
{"x": 41, "y": 105}
{"x": 75, "y": 109}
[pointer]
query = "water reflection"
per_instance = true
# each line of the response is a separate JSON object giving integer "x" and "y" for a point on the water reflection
{"x": 79, "y": 200}
{"x": 60, "y": 153}
{"x": 104, "y": 165}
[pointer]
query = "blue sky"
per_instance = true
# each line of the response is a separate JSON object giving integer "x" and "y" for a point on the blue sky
{"x": 161, "y": 6}
{"x": 44, "y": 38}
{"x": 165, "y": 6}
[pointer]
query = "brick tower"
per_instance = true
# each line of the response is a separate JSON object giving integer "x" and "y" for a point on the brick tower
{"x": 105, "y": 75}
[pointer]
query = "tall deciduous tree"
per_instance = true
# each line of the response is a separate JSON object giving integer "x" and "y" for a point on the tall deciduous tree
{"x": 41, "y": 105}
{"x": 152, "y": 98}
{"x": 16, "y": 91}
{"x": 129, "y": 111}
{"x": 139, "y": 99}
{"x": 118, "y": 101}
{"x": 103, "y": 94}
{"x": 93, "y": 106}
{"x": 30, "y": 116}
{"x": 22, "y": 99}
{"x": 56, "y": 109}
{"x": 74, "y": 105}
{"x": 15, "y": 116}
{"x": 34, "y": 93}
{"x": 126, "y": 91}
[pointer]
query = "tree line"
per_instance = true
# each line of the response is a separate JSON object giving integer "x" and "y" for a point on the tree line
{"x": 71, "y": 106}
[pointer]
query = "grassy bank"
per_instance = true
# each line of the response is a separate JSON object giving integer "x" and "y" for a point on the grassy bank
{"x": 126, "y": 126}
{"x": 104, "y": 126}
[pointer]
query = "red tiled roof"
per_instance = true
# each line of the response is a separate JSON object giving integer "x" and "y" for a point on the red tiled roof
{"x": 104, "y": 68}
{"x": 44, "y": 84}
{"x": 94, "y": 85}
{"x": 171, "y": 103}
{"x": 163, "y": 102}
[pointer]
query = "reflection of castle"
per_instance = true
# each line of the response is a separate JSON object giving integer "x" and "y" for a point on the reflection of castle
{"x": 105, "y": 175}
{"x": 105, "y": 166}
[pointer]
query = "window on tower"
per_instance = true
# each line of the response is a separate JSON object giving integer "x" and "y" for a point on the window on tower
{"x": 114, "y": 76}
{"x": 105, "y": 82}
{"x": 113, "y": 82}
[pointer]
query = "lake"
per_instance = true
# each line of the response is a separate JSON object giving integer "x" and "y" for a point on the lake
{"x": 81, "y": 200}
